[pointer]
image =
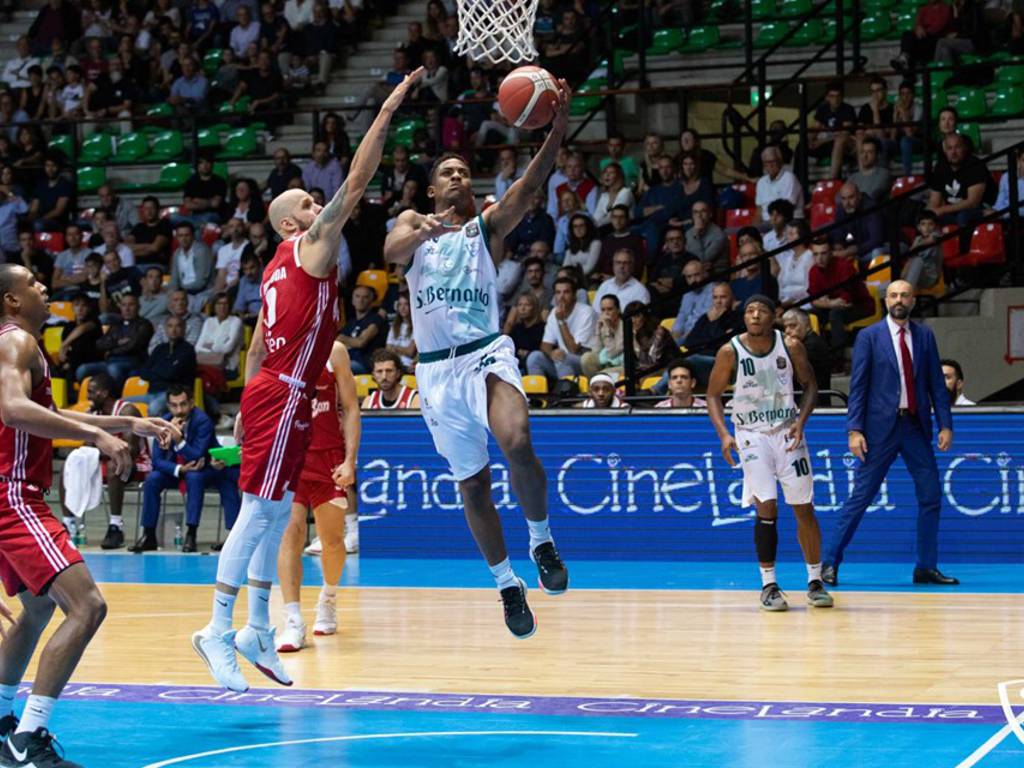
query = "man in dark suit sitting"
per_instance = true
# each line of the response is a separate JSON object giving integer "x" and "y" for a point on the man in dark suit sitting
{"x": 188, "y": 463}
{"x": 896, "y": 383}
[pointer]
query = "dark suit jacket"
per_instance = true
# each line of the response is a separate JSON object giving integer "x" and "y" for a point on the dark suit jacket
{"x": 199, "y": 439}
{"x": 875, "y": 383}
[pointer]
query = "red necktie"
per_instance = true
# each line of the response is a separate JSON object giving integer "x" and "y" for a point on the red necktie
{"x": 908, "y": 372}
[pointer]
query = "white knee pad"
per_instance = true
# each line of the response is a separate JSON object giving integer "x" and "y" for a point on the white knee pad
{"x": 251, "y": 528}
{"x": 263, "y": 563}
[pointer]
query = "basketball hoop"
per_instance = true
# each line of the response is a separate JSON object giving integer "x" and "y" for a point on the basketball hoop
{"x": 497, "y": 30}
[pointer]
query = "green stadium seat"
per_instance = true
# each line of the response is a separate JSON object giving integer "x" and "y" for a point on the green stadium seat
{"x": 208, "y": 138}
{"x": 237, "y": 144}
{"x": 973, "y": 132}
{"x": 96, "y": 149}
{"x": 666, "y": 41}
{"x": 90, "y": 178}
{"x": 239, "y": 107}
{"x": 830, "y": 29}
{"x": 583, "y": 101}
{"x": 1010, "y": 74}
{"x": 130, "y": 148}
{"x": 940, "y": 100}
{"x": 790, "y": 9}
{"x": 166, "y": 145}
{"x": 160, "y": 110}
{"x": 212, "y": 61}
{"x": 762, "y": 9}
{"x": 971, "y": 103}
{"x": 701, "y": 38}
{"x": 1009, "y": 102}
{"x": 770, "y": 33}
{"x": 173, "y": 176}
{"x": 972, "y": 58}
{"x": 808, "y": 33}
{"x": 220, "y": 168}
{"x": 720, "y": 10}
{"x": 63, "y": 143}
{"x": 906, "y": 20}
{"x": 877, "y": 6}
{"x": 875, "y": 27}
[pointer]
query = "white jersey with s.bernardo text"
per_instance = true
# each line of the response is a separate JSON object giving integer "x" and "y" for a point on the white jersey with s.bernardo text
{"x": 763, "y": 397}
{"x": 453, "y": 289}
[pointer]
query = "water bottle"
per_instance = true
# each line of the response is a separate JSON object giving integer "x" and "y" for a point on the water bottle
{"x": 78, "y": 536}
{"x": 177, "y": 536}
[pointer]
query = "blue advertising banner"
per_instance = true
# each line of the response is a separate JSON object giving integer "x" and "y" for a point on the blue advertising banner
{"x": 646, "y": 486}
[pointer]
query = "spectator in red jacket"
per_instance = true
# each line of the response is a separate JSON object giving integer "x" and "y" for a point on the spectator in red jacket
{"x": 934, "y": 20}
{"x": 842, "y": 302}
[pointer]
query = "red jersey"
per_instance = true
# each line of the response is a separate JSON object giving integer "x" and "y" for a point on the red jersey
{"x": 327, "y": 434}
{"x": 25, "y": 457}
{"x": 300, "y": 317}
{"x": 375, "y": 400}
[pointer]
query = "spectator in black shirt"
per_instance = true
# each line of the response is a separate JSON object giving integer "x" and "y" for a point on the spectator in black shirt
{"x": 150, "y": 239}
{"x": 283, "y": 173}
{"x": 51, "y": 201}
{"x": 797, "y": 326}
{"x": 112, "y": 95}
{"x": 171, "y": 362}
{"x": 274, "y": 32}
{"x": 536, "y": 225}
{"x": 264, "y": 87}
{"x": 477, "y": 109}
{"x": 124, "y": 345}
{"x": 714, "y": 328}
{"x": 960, "y": 185}
{"x": 204, "y": 194}
{"x": 528, "y": 329}
{"x": 78, "y": 340}
{"x": 834, "y": 122}
{"x": 566, "y": 55}
{"x": 416, "y": 44}
{"x": 366, "y": 332}
{"x": 875, "y": 120}
{"x": 395, "y": 178}
{"x": 116, "y": 282}
{"x": 40, "y": 262}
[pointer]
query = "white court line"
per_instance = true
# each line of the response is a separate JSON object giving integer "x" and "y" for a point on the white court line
{"x": 375, "y": 736}
{"x": 994, "y": 741}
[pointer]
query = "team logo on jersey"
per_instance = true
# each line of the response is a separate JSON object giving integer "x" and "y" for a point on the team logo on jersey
{"x": 780, "y": 363}
{"x": 472, "y": 230}
{"x": 301, "y": 425}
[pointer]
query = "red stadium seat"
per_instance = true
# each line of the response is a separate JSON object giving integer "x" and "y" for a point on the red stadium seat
{"x": 172, "y": 210}
{"x": 825, "y": 192}
{"x": 987, "y": 245}
{"x": 50, "y": 241}
{"x": 822, "y": 215}
{"x": 951, "y": 247}
{"x": 749, "y": 192}
{"x": 739, "y": 217}
{"x": 904, "y": 184}
{"x": 734, "y": 248}
{"x": 211, "y": 234}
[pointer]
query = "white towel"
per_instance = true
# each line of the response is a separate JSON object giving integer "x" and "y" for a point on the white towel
{"x": 83, "y": 484}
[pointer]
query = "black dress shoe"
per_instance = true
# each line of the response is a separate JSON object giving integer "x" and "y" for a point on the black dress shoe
{"x": 217, "y": 547}
{"x": 932, "y": 576}
{"x": 190, "y": 542}
{"x": 830, "y": 575}
{"x": 146, "y": 543}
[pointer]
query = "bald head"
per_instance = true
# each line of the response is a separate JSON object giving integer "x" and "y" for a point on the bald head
{"x": 292, "y": 212}
{"x": 897, "y": 287}
{"x": 849, "y": 197}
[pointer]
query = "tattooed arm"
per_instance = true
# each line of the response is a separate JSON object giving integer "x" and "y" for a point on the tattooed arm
{"x": 318, "y": 250}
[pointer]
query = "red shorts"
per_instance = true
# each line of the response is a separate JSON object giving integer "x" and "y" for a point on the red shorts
{"x": 34, "y": 545}
{"x": 316, "y": 485}
{"x": 276, "y": 425}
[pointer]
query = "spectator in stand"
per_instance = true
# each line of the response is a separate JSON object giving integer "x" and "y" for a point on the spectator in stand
{"x": 192, "y": 268}
{"x": 545, "y": 22}
{"x": 203, "y": 194}
{"x": 792, "y": 267}
{"x": 875, "y": 121}
{"x": 118, "y": 210}
{"x": 584, "y": 247}
{"x": 620, "y": 237}
{"x": 934, "y": 21}
{"x": 602, "y": 394}
{"x": 322, "y": 171}
{"x": 705, "y": 240}
{"x": 923, "y": 267}
{"x": 433, "y": 87}
{"x": 566, "y": 55}
{"x": 907, "y": 110}
{"x": 34, "y": 97}
{"x": 436, "y": 15}
{"x": 1003, "y": 197}
{"x": 111, "y": 95}
{"x": 189, "y": 92}
{"x": 661, "y": 206}
{"x": 177, "y": 306}
{"x": 870, "y": 178}
{"x": 154, "y": 297}
{"x": 244, "y": 203}
{"x": 557, "y": 179}
{"x": 244, "y": 33}
{"x": 681, "y": 381}
{"x": 535, "y": 269}
{"x": 201, "y": 30}
{"x": 606, "y": 347}
{"x": 264, "y": 86}
{"x": 261, "y": 244}
{"x": 274, "y": 33}
{"x": 776, "y": 138}
{"x": 796, "y": 325}
{"x": 535, "y": 225}
{"x": 713, "y": 329}
{"x": 56, "y": 20}
{"x": 220, "y": 340}
{"x": 11, "y": 207}
{"x": 396, "y": 176}
{"x": 50, "y": 206}
{"x": 366, "y": 332}
{"x": 569, "y": 328}
{"x": 475, "y": 105}
{"x": 15, "y": 73}
{"x": 391, "y": 391}
{"x": 382, "y": 89}
{"x": 298, "y": 13}
{"x": 948, "y": 122}
{"x": 707, "y": 162}
{"x": 614, "y": 191}
{"x": 150, "y": 239}
{"x": 780, "y": 214}
{"x": 858, "y": 238}
{"x": 92, "y": 286}
{"x": 400, "y": 339}
{"x": 778, "y": 183}
{"x": 616, "y": 146}
{"x": 415, "y": 44}
{"x": 960, "y": 185}
{"x": 123, "y": 346}
{"x": 665, "y": 275}
{"x": 570, "y": 205}
{"x": 171, "y": 361}
{"x": 842, "y": 296}
{"x": 954, "y": 376}
{"x": 508, "y": 171}
{"x": 696, "y": 301}
{"x": 93, "y": 64}
{"x": 35, "y": 259}
{"x": 754, "y": 278}
{"x": 78, "y": 340}
{"x": 968, "y": 33}
{"x": 623, "y": 285}
{"x": 577, "y": 181}
{"x": 321, "y": 40}
{"x": 11, "y": 114}
{"x": 69, "y": 268}
{"x": 283, "y": 173}
{"x": 696, "y": 188}
{"x": 230, "y": 254}
{"x": 248, "y": 300}
{"x": 527, "y": 327}
{"x": 116, "y": 282}
{"x": 652, "y": 343}
{"x": 834, "y": 123}
{"x": 654, "y": 149}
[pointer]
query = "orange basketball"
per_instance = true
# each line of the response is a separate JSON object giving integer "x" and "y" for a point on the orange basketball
{"x": 528, "y": 97}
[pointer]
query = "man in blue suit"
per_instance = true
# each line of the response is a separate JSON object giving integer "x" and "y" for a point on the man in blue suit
{"x": 896, "y": 383}
{"x": 189, "y": 462}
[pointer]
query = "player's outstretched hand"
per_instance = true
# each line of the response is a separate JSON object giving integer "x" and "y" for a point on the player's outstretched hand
{"x": 561, "y": 121}
{"x": 165, "y": 432}
{"x": 795, "y": 437}
{"x": 435, "y": 224}
{"x": 119, "y": 453}
{"x": 858, "y": 445}
{"x": 728, "y": 448}
{"x": 397, "y": 96}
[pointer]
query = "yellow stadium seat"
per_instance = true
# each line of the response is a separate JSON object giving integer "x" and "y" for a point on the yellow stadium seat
{"x": 878, "y": 314}
{"x": 197, "y": 393}
{"x": 649, "y": 381}
{"x": 410, "y": 381}
{"x": 246, "y": 336}
{"x": 364, "y": 383}
{"x": 581, "y": 381}
{"x": 133, "y": 387}
{"x": 667, "y": 323}
{"x": 59, "y": 387}
{"x": 377, "y": 280}
{"x": 815, "y": 323}
{"x": 142, "y": 408}
{"x": 936, "y": 291}
{"x": 52, "y": 340}
{"x": 239, "y": 381}
{"x": 883, "y": 276}
{"x": 63, "y": 310}
{"x": 83, "y": 391}
{"x": 591, "y": 295}
{"x": 80, "y": 407}
{"x": 535, "y": 385}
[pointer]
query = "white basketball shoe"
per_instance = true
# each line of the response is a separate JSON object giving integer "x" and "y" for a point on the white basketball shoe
{"x": 293, "y": 637}
{"x": 218, "y": 653}
{"x": 315, "y": 547}
{"x": 258, "y": 646}
{"x": 352, "y": 534}
{"x": 326, "y": 616}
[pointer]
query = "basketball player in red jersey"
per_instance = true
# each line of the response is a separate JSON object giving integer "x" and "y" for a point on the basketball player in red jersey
{"x": 328, "y": 471}
{"x": 37, "y": 560}
{"x": 294, "y": 333}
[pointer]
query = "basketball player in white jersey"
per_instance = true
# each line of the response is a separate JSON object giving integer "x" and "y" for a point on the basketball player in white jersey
{"x": 467, "y": 374}
{"x": 770, "y": 439}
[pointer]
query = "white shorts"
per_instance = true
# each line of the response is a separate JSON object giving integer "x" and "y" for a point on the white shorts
{"x": 453, "y": 398}
{"x": 766, "y": 460}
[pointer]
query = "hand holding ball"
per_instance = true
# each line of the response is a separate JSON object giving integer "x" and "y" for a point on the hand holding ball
{"x": 528, "y": 97}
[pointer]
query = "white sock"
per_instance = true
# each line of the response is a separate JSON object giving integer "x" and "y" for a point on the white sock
{"x": 540, "y": 532}
{"x": 36, "y": 714}
{"x": 223, "y": 608}
{"x": 813, "y": 572}
{"x": 504, "y": 575}
{"x": 293, "y": 613}
{"x": 117, "y": 520}
{"x": 259, "y": 607}
{"x": 328, "y": 591}
{"x": 768, "y": 576}
{"x": 8, "y": 693}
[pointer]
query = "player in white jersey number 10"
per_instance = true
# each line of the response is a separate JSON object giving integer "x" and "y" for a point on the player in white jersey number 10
{"x": 769, "y": 440}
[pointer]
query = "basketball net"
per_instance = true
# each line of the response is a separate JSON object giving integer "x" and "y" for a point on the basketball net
{"x": 497, "y": 30}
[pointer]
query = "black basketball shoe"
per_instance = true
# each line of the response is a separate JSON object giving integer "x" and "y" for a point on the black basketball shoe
{"x": 114, "y": 538}
{"x": 553, "y": 575}
{"x": 518, "y": 616}
{"x": 38, "y": 748}
{"x": 7, "y": 725}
